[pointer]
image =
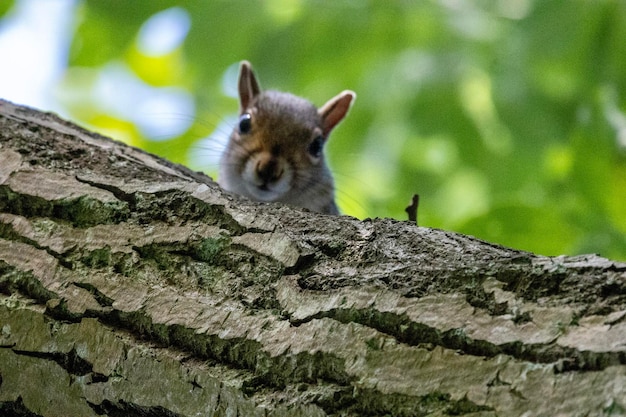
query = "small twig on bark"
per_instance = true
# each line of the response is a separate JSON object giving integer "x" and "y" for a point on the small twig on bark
{"x": 411, "y": 209}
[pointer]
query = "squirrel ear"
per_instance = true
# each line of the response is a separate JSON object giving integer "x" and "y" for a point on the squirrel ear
{"x": 335, "y": 110}
{"x": 248, "y": 85}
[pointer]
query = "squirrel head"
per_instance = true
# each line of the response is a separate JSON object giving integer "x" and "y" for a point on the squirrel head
{"x": 276, "y": 150}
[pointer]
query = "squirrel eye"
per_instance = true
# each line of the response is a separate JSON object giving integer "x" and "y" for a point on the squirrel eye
{"x": 245, "y": 123}
{"x": 315, "y": 148}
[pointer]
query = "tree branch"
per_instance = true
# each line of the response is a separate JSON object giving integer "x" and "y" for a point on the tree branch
{"x": 133, "y": 286}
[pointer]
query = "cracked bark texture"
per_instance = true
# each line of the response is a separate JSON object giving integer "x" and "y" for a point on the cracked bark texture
{"x": 130, "y": 286}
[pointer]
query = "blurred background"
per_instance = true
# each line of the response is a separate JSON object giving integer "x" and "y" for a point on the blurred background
{"x": 507, "y": 117}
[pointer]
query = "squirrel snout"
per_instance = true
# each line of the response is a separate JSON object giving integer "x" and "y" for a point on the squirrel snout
{"x": 268, "y": 169}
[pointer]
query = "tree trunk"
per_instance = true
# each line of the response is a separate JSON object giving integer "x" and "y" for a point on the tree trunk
{"x": 131, "y": 286}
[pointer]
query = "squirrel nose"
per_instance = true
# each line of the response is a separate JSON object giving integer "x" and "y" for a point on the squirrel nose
{"x": 268, "y": 170}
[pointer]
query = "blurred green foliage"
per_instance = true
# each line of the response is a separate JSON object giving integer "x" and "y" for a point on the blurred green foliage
{"x": 5, "y": 6}
{"x": 507, "y": 117}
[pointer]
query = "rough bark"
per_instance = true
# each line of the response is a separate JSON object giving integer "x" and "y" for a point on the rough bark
{"x": 133, "y": 286}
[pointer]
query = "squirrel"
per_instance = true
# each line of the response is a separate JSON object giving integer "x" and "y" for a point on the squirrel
{"x": 276, "y": 151}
